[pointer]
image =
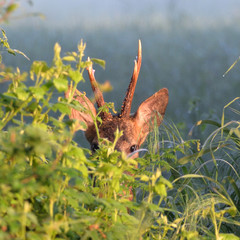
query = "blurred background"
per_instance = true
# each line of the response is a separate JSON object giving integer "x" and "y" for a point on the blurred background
{"x": 187, "y": 47}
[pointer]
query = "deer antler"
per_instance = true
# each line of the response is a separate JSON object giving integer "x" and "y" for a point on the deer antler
{"x": 97, "y": 92}
{"x": 126, "y": 107}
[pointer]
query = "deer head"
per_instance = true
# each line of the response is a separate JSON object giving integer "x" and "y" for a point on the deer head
{"x": 135, "y": 127}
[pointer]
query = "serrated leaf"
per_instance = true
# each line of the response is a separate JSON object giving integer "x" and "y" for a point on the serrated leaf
{"x": 22, "y": 94}
{"x": 38, "y": 67}
{"x": 32, "y": 107}
{"x": 61, "y": 107}
{"x": 76, "y": 76}
{"x": 86, "y": 198}
{"x": 60, "y": 84}
{"x": 78, "y": 153}
{"x": 38, "y": 93}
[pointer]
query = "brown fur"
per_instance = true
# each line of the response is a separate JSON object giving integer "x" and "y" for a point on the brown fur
{"x": 135, "y": 128}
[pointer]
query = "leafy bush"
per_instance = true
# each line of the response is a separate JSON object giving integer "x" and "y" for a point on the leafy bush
{"x": 51, "y": 188}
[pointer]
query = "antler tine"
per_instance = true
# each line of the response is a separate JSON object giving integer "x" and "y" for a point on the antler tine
{"x": 127, "y": 103}
{"x": 97, "y": 92}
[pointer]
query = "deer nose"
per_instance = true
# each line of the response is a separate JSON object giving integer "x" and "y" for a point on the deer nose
{"x": 94, "y": 147}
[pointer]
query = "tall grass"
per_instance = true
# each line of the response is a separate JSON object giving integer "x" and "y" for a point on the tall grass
{"x": 205, "y": 179}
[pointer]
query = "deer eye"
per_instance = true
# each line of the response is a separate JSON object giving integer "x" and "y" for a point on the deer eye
{"x": 94, "y": 147}
{"x": 133, "y": 148}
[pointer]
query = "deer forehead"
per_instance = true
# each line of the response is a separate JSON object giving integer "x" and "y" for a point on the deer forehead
{"x": 108, "y": 128}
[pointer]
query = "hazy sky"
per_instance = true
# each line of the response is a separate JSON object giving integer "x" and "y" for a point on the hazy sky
{"x": 70, "y": 12}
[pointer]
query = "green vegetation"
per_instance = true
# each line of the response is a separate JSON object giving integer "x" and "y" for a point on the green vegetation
{"x": 53, "y": 189}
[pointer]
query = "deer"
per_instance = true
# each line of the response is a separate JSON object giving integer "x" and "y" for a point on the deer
{"x": 135, "y": 127}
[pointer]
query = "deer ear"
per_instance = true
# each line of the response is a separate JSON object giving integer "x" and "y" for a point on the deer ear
{"x": 154, "y": 106}
{"x": 87, "y": 110}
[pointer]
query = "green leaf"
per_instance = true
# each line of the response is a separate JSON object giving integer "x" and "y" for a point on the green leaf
{"x": 228, "y": 236}
{"x": 11, "y": 51}
{"x": 84, "y": 170}
{"x": 61, "y": 107}
{"x": 86, "y": 198}
{"x": 165, "y": 182}
{"x": 76, "y": 76}
{"x": 12, "y": 7}
{"x": 154, "y": 207}
{"x": 3, "y": 33}
{"x": 69, "y": 59}
{"x": 160, "y": 189}
{"x": 144, "y": 178}
{"x": 37, "y": 92}
{"x": 39, "y": 66}
{"x": 78, "y": 153}
{"x": 61, "y": 84}
{"x": 100, "y": 62}
{"x": 35, "y": 236}
{"x": 22, "y": 94}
